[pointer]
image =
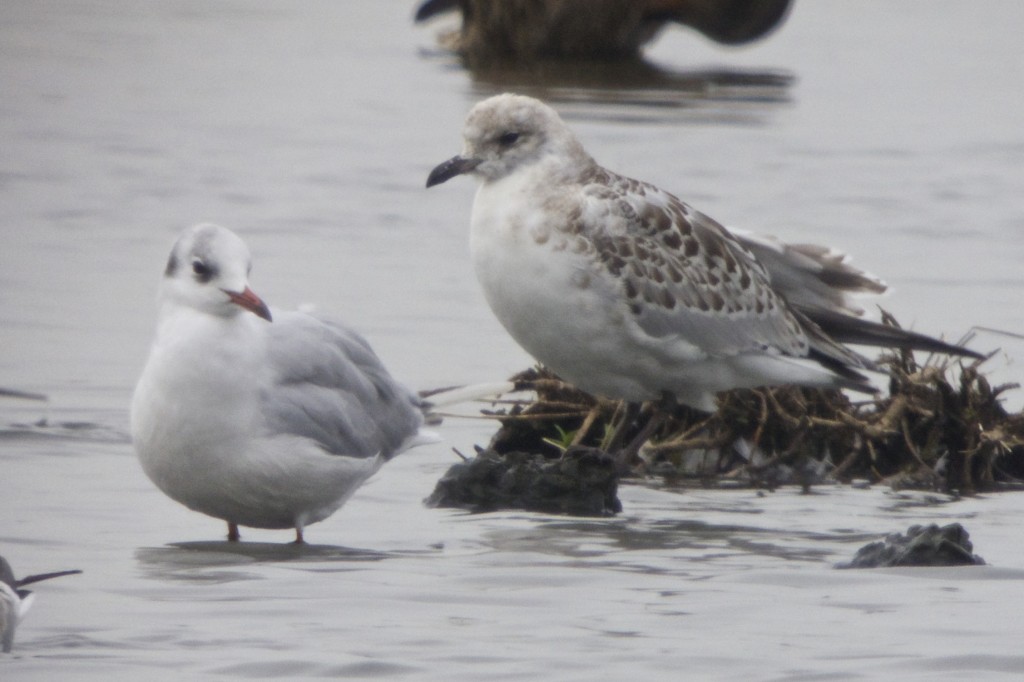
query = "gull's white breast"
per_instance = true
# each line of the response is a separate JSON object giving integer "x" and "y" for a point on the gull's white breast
{"x": 200, "y": 434}
{"x": 548, "y": 289}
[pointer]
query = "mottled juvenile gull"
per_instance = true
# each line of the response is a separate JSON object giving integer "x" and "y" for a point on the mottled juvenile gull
{"x": 267, "y": 425}
{"x": 628, "y": 292}
{"x": 15, "y": 600}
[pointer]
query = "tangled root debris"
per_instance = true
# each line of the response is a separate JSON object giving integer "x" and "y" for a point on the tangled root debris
{"x": 942, "y": 426}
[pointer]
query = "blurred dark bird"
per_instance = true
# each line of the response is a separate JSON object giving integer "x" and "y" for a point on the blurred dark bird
{"x": 594, "y": 29}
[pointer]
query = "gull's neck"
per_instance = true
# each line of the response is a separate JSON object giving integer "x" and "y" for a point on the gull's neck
{"x": 200, "y": 337}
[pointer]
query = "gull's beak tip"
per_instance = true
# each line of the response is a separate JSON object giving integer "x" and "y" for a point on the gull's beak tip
{"x": 251, "y": 302}
{"x": 446, "y": 170}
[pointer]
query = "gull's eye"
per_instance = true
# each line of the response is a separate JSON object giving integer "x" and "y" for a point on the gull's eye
{"x": 508, "y": 139}
{"x": 202, "y": 271}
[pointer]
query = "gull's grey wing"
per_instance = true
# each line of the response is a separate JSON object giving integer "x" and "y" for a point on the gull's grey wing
{"x": 7, "y": 573}
{"x": 818, "y": 281}
{"x": 9, "y": 612}
{"x": 10, "y": 606}
{"x": 683, "y": 274}
{"x": 809, "y": 276}
{"x": 326, "y": 383}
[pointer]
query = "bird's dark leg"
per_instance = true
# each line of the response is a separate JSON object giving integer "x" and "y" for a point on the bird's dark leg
{"x": 233, "y": 535}
{"x": 660, "y": 410}
{"x": 299, "y": 540}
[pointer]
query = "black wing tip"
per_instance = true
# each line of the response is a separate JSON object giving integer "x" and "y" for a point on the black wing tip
{"x": 29, "y": 579}
{"x": 846, "y": 375}
{"x": 855, "y": 330}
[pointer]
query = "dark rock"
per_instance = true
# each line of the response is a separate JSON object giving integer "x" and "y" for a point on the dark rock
{"x": 583, "y": 482}
{"x": 921, "y": 546}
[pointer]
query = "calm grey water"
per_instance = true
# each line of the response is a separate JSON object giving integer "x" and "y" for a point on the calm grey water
{"x": 891, "y": 131}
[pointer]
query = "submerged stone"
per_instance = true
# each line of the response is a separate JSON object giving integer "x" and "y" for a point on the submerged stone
{"x": 921, "y": 546}
{"x": 582, "y": 482}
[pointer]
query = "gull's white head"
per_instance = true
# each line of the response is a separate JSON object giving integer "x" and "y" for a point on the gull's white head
{"x": 208, "y": 270}
{"x": 506, "y": 133}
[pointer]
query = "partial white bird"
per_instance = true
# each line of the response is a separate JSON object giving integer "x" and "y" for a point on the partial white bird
{"x": 15, "y": 601}
{"x": 628, "y": 292}
{"x": 262, "y": 424}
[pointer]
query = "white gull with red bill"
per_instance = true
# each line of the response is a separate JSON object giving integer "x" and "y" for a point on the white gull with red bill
{"x": 267, "y": 424}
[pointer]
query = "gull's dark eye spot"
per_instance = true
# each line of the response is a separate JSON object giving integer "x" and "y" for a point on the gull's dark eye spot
{"x": 202, "y": 271}
{"x": 508, "y": 139}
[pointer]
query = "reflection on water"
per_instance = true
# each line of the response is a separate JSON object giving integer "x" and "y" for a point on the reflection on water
{"x": 204, "y": 561}
{"x": 615, "y": 540}
{"x": 46, "y": 428}
{"x": 639, "y": 91}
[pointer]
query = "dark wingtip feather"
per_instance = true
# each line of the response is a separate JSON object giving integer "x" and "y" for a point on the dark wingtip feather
{"x": 432, "y": 8}
{"x": 849, "y": 377}
{"x": 29, "y": 579}
{"x": 849, "y": 329}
